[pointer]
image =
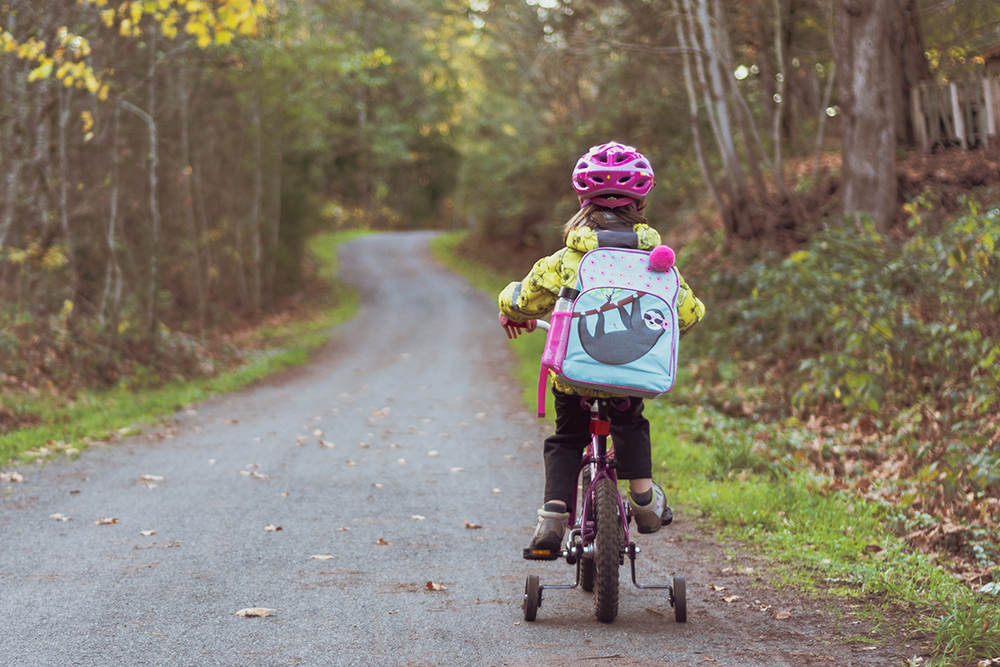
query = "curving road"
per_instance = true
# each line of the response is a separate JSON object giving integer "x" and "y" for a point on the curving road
{"x": 429, "y": 435}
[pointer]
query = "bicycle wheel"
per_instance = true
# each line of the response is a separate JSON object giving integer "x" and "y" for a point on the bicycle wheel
{"x": 532, "y": 597}
{"x": 680, "y": 600}
{"x": 586, "y": 564}
{"x": 607, "y": 544}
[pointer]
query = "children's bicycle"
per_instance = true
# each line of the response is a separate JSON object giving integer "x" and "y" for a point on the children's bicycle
{"x": 599, "y": 539}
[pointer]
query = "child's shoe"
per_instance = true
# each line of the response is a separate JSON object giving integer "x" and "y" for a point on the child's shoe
{"x": 549, "y": 532}
{"x": 650, "y": 517}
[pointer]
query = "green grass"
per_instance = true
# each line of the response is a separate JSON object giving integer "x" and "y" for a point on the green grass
{"x": 820, "y": 542}
{"x": 99, "y": 416}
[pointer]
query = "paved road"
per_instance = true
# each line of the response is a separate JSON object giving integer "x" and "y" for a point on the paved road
{"x": 429, "y": 434}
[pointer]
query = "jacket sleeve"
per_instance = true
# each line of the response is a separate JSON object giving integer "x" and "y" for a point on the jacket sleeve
{"x": 690, "y": 309}
{"x": 535, "y": 296}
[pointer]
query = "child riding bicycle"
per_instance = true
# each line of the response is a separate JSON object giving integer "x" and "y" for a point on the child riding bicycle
{"x": 612, "y": 181}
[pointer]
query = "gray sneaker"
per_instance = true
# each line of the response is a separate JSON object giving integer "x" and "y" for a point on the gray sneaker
{"x": 549, "y": 532}
{"x": 649, "y": 518}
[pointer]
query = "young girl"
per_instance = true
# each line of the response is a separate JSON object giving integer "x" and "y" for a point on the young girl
{"x": 612, "y": 181}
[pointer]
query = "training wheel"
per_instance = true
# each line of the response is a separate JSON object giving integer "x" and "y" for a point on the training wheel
{"x": 532, "y": 597}
{"x": 680, "y": 600}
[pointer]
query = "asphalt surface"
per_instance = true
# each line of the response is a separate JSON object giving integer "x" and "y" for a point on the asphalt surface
{"x": 419, "y": 510}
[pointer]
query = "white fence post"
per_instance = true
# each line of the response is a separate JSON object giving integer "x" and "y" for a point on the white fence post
{"x": 956, "y": 114}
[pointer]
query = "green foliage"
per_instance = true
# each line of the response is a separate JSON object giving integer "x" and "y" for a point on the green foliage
{"x": 907, "y": 332}
{"x": 46, "y": 425}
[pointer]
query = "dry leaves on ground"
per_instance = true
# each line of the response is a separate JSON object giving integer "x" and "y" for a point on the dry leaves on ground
{"x": 147, "y": 533}
{"x": 7, "y": 477}
{"x": 106, "y": 521}
{"x": 152, "y": 478}
{"x": 731, "y": 598}
{"x": 60, "y": 517}
{"x": 254, "y": 612}
{"x": 781, "y": 615}
{"x": 328, "y": 445}
{"x": 321, "y": 557}
{"x": 431, "y": 586}
{"x": 472, "y": 526}
{"x": 382, "y": 542}
{"x": 271, "y": 528}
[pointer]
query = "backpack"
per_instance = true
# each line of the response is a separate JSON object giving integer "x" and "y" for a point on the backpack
{"x": 620, "y": 334}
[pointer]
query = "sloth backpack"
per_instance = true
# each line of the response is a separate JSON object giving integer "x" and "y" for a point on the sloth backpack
{"x": 617, "y": 331}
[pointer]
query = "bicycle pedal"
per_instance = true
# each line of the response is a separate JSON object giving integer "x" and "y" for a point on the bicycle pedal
{"x": 542, "y": 554}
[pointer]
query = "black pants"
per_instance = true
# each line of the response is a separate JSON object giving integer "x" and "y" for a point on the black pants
{"x": 564, "y": 449}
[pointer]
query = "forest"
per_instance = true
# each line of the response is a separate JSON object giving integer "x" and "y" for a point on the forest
{"x": 827, "y": 171}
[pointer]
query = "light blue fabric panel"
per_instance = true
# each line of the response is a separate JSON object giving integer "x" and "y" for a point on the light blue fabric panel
{"x": 624, "y": 334}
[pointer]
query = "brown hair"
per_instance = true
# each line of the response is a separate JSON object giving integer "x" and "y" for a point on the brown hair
{"x": 599, "y": 217}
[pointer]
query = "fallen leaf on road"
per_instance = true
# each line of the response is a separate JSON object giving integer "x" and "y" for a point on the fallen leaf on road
{"x": 342, "y": 529}
{"x": 11, "y": 477}
{"x": 106, "y": 521}
{"x": 253, "y": 473}
{"x": 232, "y": 422}
{"x": 363, "y": 445}
{"x": 152, "y": 478}
{"x": 457, "y": 470}
{"x": 731, "y": 598}
{"x": 865, "y": 648}
{"x": 472, "y": 526}
{"x": 496, "y": 491}
{"x": 401, "y": 462}
{"x": 716, "y": 588}
{"x": 252, "y": 465}
{"x": 317, "y": 433}
{"x": 384, "y": 412}
{"x": 211, "y": 462}
{"x": 480, "y": 415}
{"x": 781, "y": 615}
{"x": 254, "y": 612}
{"x": 60, "y": 517}
{"x": 350, "y": 462}
{"x": 321, "y": 557}
{"x": 433, "y": 453}
{"x": 419, "y": 517}
{"x": 328, "y": 445}
{"x": 431, "y": 586}
{"x": 382, "y": 542}
{"x": 271, "y": 528}
{"x": 147, "y": 533}
{"x": 301, "y": 440}
{"x": 378, "y": 485}
{"x": 284, "y": 495}
{"x": 73, "y": 492}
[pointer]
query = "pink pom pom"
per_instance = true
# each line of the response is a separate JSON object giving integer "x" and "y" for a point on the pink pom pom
{"x": 662, "y": 258}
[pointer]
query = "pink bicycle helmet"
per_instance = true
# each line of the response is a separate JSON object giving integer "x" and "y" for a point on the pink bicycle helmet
{"x": 612, "y": 175}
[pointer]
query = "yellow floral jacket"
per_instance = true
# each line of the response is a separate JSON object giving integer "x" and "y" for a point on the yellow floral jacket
{"x": 536, "y": 295}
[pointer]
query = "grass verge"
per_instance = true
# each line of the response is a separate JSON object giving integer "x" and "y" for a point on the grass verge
{"x": 821, "y": 540}
{"x": 101, "y": 416}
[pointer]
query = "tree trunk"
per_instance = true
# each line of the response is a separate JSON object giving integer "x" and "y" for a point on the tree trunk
{"x": 111, "y": 299}
{"x": 65, "y": 105}
{"x": 867, "y": 88}
{"x": 911, "y": 65}
{"x": 693, "y": 115}
{"x": 188, "y": 203}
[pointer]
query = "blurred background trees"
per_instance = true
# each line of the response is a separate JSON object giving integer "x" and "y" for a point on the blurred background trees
{"x": 161, "y": 161}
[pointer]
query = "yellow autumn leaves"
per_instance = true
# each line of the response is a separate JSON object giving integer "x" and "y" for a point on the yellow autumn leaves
{"x": 209, "y": 22}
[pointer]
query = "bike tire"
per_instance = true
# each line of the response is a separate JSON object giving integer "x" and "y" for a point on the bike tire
{"x": 680, "y": 600}
{"x": 586, "y": 564}
{"x": 607, "y": 545}
{"x": 532, "y": 598}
